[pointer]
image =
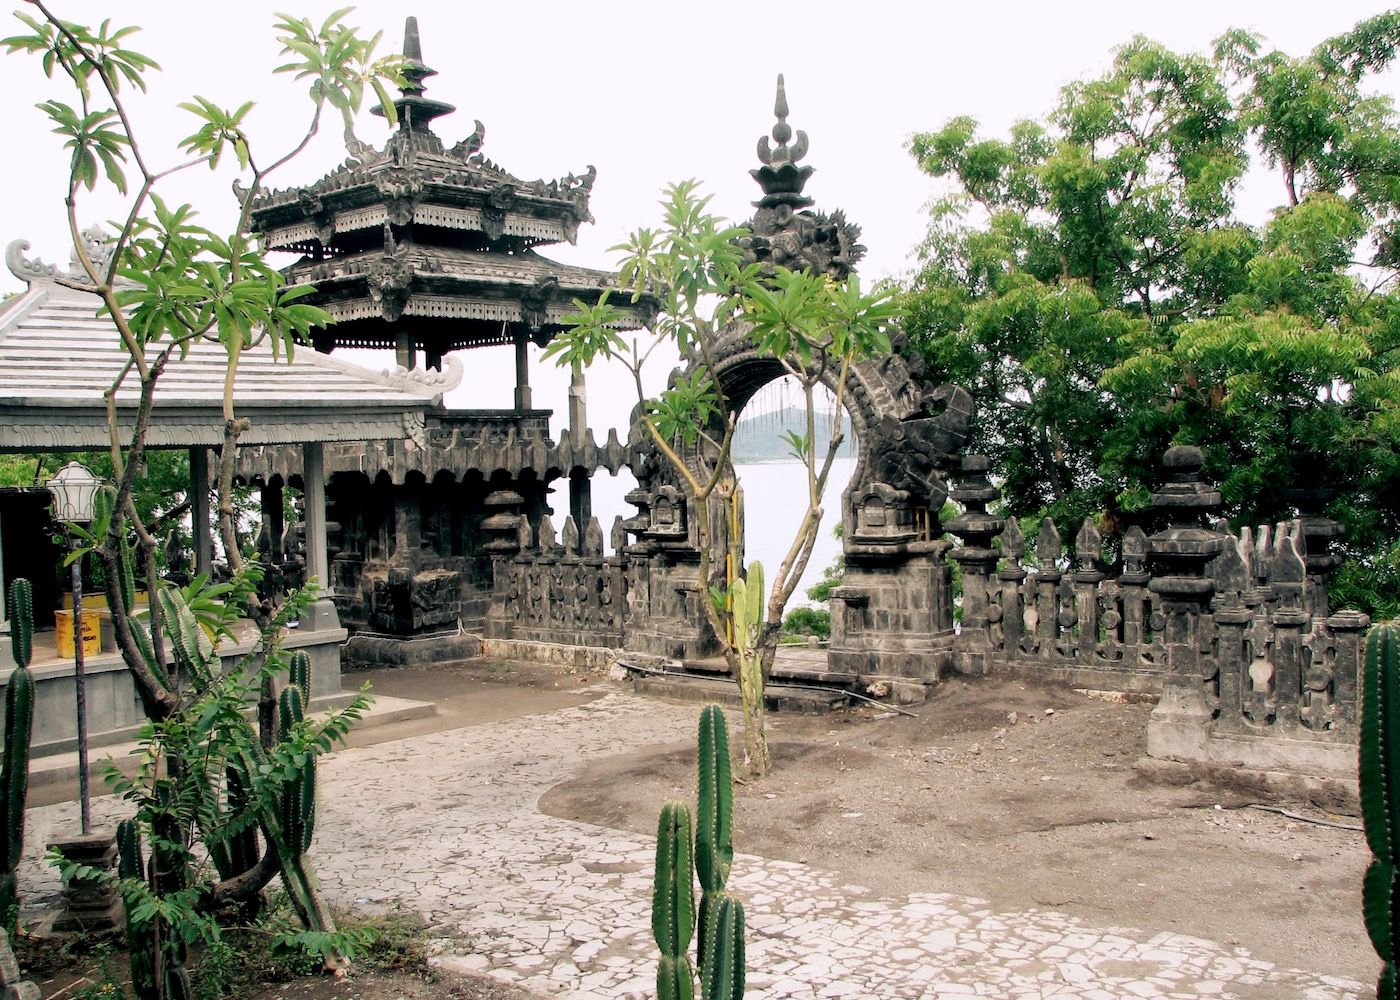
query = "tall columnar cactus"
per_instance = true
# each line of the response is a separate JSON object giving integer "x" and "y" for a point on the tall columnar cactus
{"x": 1379, "y": 769}
{"x": 299, "y": 675}
{"x": 714, "y": 831}
{"x": 722, "y": 974}
{"x": 299, "y": 793}
{"x": 14, "y": 758}
{"x": 140, "y": 938}
{"x": 720, "y": 948}
{"x": 673, "y": 903}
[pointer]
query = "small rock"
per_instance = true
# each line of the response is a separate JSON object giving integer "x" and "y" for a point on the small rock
{"x": 1001, "y": 734}
{"x": 976, "y": 748}
{"x": 1149, "y": 836}
{"x": 1012, "y": 718}
{"x": 1297, "y": 857}
{"x": 1049, "y": 711}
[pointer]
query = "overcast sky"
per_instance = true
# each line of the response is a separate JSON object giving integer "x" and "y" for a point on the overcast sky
{"x": 649, "y": 93}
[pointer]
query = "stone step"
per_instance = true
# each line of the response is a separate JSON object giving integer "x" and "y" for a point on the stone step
{"x": 723, "y": 691}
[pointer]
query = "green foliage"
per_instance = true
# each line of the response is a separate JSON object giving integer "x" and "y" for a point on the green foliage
{"x": 1088, "y": 281}
{"x": 720, "y": 946}
{"x": 808, "y": 621}
{"x": 1379, "y": 768}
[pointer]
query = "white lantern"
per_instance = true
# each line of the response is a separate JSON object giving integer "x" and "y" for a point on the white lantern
{"x": 74, "y": 489}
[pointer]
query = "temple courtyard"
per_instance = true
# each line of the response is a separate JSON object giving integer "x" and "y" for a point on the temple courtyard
{"x": 1007, "y": 842}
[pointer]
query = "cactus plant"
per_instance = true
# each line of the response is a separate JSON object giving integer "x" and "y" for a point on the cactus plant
{"x": 299, "y": 674}
{"x": 299, "y": 793}
{"x": 722, "y": 975}
{"x": 720, "y": 946}
{"x": 14, "y": 759}
{"x": 714, "y": 842}
{"x": 1379, "y": 769}
{"x": 673, "y": 903}
{"x": 140, "y": 940}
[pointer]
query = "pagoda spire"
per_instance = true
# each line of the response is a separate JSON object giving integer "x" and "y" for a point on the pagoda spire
{"x": 415, "y": 110}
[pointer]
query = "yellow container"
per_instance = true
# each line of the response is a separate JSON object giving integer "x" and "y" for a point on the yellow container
{"x": 92, "y": 632}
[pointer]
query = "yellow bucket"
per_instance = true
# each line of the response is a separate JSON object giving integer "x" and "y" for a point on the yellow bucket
{"x": 92, "y": 634}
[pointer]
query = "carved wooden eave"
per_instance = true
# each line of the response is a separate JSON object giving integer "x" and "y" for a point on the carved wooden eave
{"x": 461, "y": 298}
{"x": 58, "y": 357}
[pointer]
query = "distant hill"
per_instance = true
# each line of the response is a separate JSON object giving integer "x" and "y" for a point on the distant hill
{"x": 759, "y": 438}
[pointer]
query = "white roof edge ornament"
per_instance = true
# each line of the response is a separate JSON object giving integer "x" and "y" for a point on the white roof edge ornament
{"x": 74, "y": 282}
{"x": 421, "y": 381}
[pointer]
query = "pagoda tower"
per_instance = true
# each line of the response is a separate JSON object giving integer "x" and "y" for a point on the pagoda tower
{"x": 422, "y": 246}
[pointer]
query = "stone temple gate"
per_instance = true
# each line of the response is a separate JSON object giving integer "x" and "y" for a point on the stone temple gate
{"x": 446, "y": 539}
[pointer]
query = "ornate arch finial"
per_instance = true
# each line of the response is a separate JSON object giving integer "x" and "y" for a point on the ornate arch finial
{"x": 782, "y": 134}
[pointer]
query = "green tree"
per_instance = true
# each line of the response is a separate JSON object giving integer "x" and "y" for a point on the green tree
{"x": 164, "y": 282}
{"x": 1090, "y": 282}
{"x": 814, "y": 327}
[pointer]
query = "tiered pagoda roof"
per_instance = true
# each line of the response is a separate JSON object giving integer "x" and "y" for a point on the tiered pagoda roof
{"x": 432, "y": 239}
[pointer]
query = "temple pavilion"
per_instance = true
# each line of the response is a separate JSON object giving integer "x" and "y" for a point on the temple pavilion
{"x": 425, "y": 246}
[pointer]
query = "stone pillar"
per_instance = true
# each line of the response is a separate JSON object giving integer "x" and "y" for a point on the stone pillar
{"x": 1012, "y": 578}
{"x": 522, "y": 371}
{"x": 1088, "y": 555}
{"x": 1132, "y": 589}
{"x": 1180, "y": 724}
{"x": 1047, "y": 584}
{"x": 1347, "y": 627}
{"x": 975, "y": 528}
{"x": 432, "y": 357}
{"x": 199, "y": 510}
{"x": 1310, "y": 498}
{"x": 270, "y": 500}
{"x": 321, "y": 614}
{"x": 405, "y": 354}
{"x": 580, "y": 484}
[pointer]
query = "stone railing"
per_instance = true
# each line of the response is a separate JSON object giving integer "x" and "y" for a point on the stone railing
{"x": 561, "y": 591}
{"x": 1233, "y": 631}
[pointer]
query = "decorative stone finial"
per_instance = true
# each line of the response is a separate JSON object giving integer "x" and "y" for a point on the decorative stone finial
{"x": 782, "y": 133}
{"x": 780, "y": 177}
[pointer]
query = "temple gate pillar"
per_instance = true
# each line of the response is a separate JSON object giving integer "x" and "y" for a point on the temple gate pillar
{"x": 321, "y": 614}
{"x": 522, "y": 371}
{"x": 975, "y": 528}
{"x": 199, "y": 510}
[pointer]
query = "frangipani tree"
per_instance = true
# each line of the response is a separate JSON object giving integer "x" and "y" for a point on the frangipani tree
{"x": 813, "y": 327}
{"x": 165, "y": 282}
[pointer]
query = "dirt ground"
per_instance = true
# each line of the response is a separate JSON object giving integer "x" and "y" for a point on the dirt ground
{"x": 1029, "y": 797}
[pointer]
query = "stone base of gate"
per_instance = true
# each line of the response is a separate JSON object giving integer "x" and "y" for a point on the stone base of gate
{"x": 369, "y": 651}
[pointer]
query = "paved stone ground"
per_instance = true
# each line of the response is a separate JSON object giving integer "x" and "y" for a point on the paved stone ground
{"x": 446, "y": 825}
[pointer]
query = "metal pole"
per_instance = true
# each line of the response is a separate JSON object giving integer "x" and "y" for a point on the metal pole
{"x": 80, "y": 684}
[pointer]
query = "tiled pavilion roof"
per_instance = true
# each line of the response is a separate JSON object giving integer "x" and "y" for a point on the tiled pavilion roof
{"x": 58, "y": 357}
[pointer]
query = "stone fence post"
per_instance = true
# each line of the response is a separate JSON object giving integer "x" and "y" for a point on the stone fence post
{"x": 1180, "y": 724}
{"x": 975, "y": 528}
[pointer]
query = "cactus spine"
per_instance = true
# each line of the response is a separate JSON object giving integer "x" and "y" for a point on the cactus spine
{"x": 673, "y": 903}
{"x": 14, "y": 758}
{"x": 1379, "y": 768}
{"x": 720, "y": 946}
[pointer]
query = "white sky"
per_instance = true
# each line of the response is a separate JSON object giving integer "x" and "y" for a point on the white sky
{"x": 649, "y": 93}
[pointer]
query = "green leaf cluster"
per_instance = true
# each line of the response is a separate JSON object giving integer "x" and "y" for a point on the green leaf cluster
{"x": 1088, "y": 279}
